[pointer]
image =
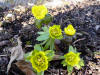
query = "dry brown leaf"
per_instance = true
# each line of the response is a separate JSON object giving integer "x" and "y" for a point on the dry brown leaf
{"x": 16, "y": 53}
{"x": 25, "y": 67}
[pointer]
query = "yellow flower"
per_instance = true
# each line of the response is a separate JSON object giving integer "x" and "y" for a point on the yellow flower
{"x": 72, "y": 58}
{"x": 55, "y": 32}
{"x": 39, "y": 61}
{"x": 39, "y": 11}
{"x": 70, "y": 30}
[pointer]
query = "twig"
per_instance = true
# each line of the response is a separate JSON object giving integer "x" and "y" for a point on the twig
{"x": 28, "y": 46}
{"x": 5, "y": 42}
{"x": 3, "y": 55}
{"x": 85, "y": 71}
{"x": 78, "y": 40}
{"x": 57, "y": 57}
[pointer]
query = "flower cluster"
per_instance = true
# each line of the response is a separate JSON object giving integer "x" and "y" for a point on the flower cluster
{"x": 39, "y": 61}
{"x": 72, "y": 58}
{"x": 55, "y": 32}
{"x": 40, "y": 58}
{"x": 39, "y": 11}
{"x": 70, "y": 30}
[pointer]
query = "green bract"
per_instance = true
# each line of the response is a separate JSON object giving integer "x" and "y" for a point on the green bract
{"x": 55, "y": 32}
{"x": 45, "y": 37}
{"x": 48, "y": 36}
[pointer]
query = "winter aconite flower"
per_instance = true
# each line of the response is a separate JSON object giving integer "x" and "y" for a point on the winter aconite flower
{"x": 70, "y": 30}
{"x": 39, "y": 11}
{"x": 72, "y": 58}
{"x": 55, "y": 32}
{"x": 39, "y": 61}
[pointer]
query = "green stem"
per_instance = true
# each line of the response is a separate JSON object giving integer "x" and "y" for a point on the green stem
{"x": 44, "y": 42}
{"x": 40, "y": 73}
{"x": 69, "y": 73}
{"x": 52, "y": 43}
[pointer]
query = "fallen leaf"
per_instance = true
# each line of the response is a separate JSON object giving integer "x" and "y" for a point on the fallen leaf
{"x": 16, "y": 53}
{"x": 14, "y": 70}
{"x": 26, "y": 67}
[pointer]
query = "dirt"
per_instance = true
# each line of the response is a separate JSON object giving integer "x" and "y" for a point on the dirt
{"x": 84, "y": 17}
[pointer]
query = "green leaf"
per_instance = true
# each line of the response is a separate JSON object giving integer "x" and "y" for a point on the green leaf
{"x": 28, "y": 56}
{"x": 43, "y": 37}
{"x": 50, "y": 54}
{"x": 38, "y": 23}
{"x": 64, "y": 63}
{"x": 47, "y": 45}
{"x": 34, "y": 52}
{"x": 37, "y": 47}
{"x": 81, "y": 63}
{"x": 71, "y": 49}
{"x": 44, "y": 42}
{"x": 69, "y": 69}
{"x": 48, "y": 18}
{"x": 61, "y": 57}
{"x": 45, "y": 29}
{"x": 41, "y": 33}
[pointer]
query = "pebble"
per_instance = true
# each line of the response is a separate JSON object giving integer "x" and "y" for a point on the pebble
{"x": 9, "y": 17}
{"x": 1, "y": 28}
{"x": 57, "y": 41}
{"x": 97, "y": 13}
{"x": 61, "y": 73}
{"x": 97, "y": 28}
{"x": 24, "y": 24}
{"x": 31, "y": 20}
{"x": 20, "y": 9}
{"x": 90, "y": 72}
{"x": 18, "y": 17}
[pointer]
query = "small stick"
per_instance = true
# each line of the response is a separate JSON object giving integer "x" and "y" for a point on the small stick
{"x": 3, "y": 55}
{"x": 5, "y": 42}
{"x": 78, "y": 40}
{"x": 57, "y": 57}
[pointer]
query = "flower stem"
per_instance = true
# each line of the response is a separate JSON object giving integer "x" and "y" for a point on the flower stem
{"x": 51, "y": 44}
{"x": 69, "y": 73}
{"x": 40, "y": 73}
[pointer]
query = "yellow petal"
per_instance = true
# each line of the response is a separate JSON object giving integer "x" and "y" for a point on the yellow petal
{"x": 70, "y": 30}
{"x": 39, "y": 11}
